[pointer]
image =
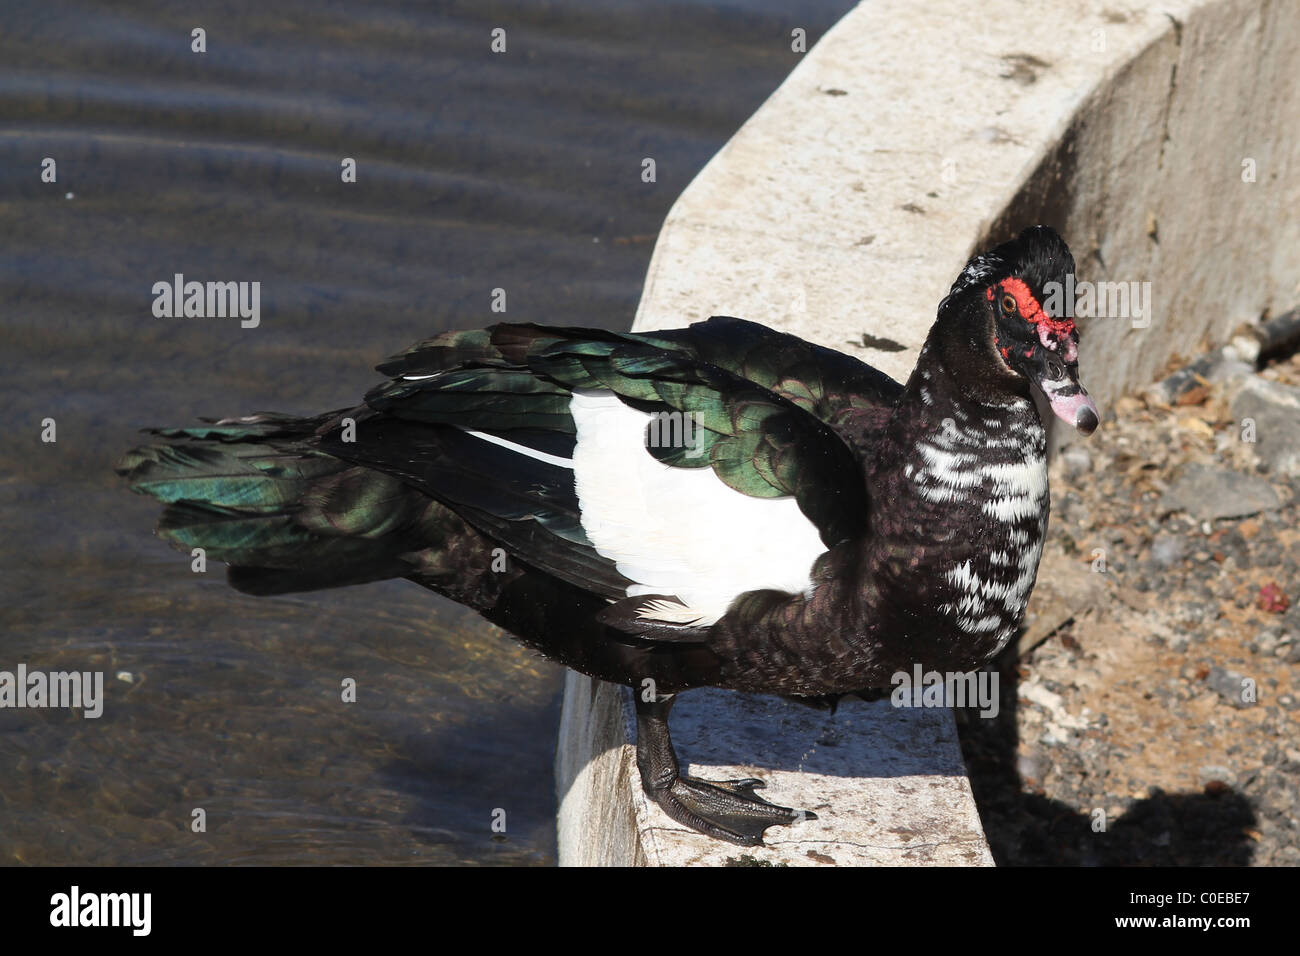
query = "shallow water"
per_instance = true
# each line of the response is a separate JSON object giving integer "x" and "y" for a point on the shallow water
{"x": 475, "y": 171}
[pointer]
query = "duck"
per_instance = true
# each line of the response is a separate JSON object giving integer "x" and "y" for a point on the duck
{"x": 719, "y": 505}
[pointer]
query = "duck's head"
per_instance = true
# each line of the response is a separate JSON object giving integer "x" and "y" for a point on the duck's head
{"x": 1015, "y": 296}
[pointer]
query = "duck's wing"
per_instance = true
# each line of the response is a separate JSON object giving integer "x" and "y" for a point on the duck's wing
{"x": 834, "y": 387}
{"x": 683, "y": 482}
{"x": 847, "y": 394}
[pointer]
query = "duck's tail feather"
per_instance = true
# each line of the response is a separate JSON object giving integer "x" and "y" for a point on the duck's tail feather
{"x": 256, "y": 494}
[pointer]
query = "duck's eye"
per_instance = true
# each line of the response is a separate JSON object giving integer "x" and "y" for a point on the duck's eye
{"x": 1009, "y": 304}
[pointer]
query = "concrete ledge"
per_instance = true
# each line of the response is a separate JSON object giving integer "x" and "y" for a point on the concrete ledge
{"x": 598, "y": 821}
{"x": 895, "y": 775}
{"x": 909, "y": 137}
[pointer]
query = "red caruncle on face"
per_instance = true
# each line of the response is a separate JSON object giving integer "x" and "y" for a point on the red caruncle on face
{"x": 1051, "y": 332}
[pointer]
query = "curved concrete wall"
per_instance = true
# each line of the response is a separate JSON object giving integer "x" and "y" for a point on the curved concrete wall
{"x": 1161, "y": 143}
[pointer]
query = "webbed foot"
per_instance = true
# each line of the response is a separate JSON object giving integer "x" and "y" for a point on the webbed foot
{"x": 725, "y": 809}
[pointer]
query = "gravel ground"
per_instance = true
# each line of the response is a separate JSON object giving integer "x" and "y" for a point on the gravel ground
{"x": 1154, "y": 722}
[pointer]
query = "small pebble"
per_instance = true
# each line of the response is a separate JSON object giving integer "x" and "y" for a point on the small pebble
{"x": 1228, "y": 685}
{"x": 1076, "y": 460}
{"x": 1167, "y": 550}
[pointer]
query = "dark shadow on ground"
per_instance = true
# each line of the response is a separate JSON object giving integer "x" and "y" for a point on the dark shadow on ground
{"x": 1026, "y": 828}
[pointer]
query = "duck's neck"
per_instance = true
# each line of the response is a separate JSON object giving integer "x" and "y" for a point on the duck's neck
{"x": 960, "y": 510}
{"x": 953, "y": 380}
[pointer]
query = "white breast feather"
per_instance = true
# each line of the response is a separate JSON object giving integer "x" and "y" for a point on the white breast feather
{"x": 680, "y": 531}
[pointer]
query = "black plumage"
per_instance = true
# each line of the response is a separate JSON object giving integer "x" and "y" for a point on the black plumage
{"x": 928, "y": 500}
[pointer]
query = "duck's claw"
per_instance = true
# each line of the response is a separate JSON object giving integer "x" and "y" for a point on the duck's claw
{"x": 727, "y": 810}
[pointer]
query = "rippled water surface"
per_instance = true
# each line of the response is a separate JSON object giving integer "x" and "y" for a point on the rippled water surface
{"x": 475, "y": 171}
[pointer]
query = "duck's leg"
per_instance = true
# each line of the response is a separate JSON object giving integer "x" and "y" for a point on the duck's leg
{"x": 728, "y": 810}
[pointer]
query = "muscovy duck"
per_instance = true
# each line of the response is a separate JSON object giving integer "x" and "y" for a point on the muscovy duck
{"x": 718, "y": 505}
